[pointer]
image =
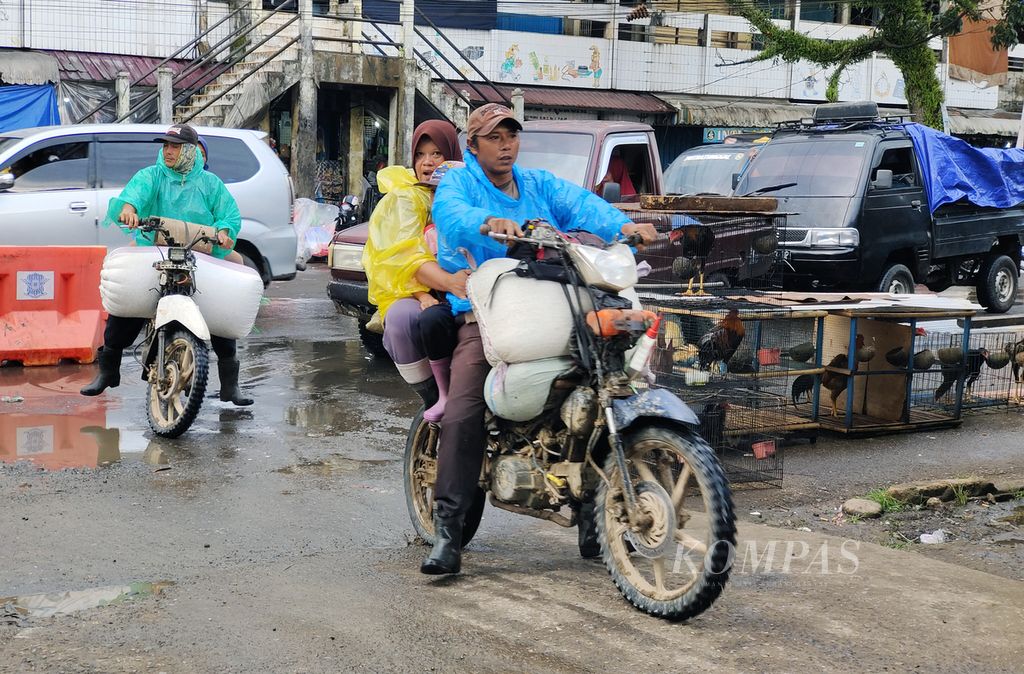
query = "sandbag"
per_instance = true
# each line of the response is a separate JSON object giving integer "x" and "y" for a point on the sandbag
{"x": 227, "y": 294}
{"x": 518, "y": 391}
{"x": 521, "y": 319}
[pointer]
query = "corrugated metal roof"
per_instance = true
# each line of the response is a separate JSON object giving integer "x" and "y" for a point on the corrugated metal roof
{"x": 580, "y": 99}
{"x": 984, "y": 122}
{"x": 710, "y": 111}
{"x": 93, "y": 67}
{"x": 27, "y": 67}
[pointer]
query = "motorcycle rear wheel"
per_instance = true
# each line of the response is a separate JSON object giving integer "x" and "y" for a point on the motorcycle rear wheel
{"x": 678, "y": 562}
{"x": 173, "y": 402}
{"x": 419, "y": 471}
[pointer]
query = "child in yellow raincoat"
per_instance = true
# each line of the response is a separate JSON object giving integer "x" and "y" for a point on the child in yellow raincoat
{"x": 401, "y": 266}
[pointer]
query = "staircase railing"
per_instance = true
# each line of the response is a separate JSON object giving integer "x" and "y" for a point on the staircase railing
{"x": 455, "y": 85}
{"x": 183, "y": 50}
{"x": 223, "y": 44}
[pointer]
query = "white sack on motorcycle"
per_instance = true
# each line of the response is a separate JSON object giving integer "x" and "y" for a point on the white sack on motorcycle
{"x": 521, "y": 319}
{"x": 518, "y": 392}
{"x": 227, "y": 294}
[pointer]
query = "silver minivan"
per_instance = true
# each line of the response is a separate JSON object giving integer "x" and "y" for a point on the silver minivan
{"x": 56, "y": 182}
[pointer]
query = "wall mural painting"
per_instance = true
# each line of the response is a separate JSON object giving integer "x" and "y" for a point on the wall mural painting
{"x": 546, "y": 71}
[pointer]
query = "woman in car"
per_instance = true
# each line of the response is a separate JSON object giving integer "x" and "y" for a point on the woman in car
{"x": 176, "y": 186}
{"x": 401, "y": 265}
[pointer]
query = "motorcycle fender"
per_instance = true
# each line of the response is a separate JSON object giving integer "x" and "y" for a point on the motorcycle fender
{"x": 183, "y": 310}
{"x": 652, "y": 403}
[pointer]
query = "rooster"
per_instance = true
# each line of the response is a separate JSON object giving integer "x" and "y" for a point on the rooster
{"x": 721, "y": 342}
{"x": 835, "y": 382}
{"x": 802, "y": 386}
{"x": 696, "y": 242}
{"x": 1016, "y": 353}
{"x": 975, "y": 357}
{"x": 712, "y": 423}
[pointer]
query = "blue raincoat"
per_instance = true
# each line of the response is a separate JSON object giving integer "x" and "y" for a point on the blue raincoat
{"x": 466, "y": 197}
{"x": 199, "y": 197}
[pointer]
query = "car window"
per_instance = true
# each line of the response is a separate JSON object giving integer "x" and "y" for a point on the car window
{"x": 899, "y": 160}
{"x": 706, "y": 170}
{"x": 567, "y": 155}
{"x": 119, "y": 160}
{"x": 51, "y": 166}
{"x": 816, "y": 167}
{"x": 230, "y": 159}
{"x": 6, "y": 142}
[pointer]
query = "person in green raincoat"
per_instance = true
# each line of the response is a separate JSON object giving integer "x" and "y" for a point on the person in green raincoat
{"x": 176, "y": 186}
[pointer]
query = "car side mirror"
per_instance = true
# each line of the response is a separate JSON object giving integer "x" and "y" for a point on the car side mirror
{"x": 883, "y": 179}
{"x": 735, "y": 180}
{"x": 612, "y": 193}
{"x": 6, "y": 181}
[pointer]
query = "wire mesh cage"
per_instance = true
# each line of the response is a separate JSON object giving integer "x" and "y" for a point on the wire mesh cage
{"x": 883, "y": 374}
{"x": 711, "y": 253}
{"x": 993, "y": 364}
{"x": 735, "y": 363}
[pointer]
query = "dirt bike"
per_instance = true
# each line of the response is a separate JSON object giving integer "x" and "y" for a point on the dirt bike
{"x": 176, "y": 363}
{"x": 602, "y": 445}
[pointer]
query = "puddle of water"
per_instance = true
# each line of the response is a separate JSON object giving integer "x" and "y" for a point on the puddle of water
{"x": 73, "y": 601}
{"x": 332, "y": 465}
{"x": 1016, "y": 517}
{"x": 57, "y": 441}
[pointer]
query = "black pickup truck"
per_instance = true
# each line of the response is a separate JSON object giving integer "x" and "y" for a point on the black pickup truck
{"x": 861, "y": 220}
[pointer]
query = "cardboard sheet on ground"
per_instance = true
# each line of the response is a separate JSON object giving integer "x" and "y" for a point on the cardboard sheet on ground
{"x": 880, "y": 396}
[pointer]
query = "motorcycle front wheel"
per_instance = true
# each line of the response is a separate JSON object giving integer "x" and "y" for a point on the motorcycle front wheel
{"x": 674, "y": 560}
{"x": 419, "y": 475}
{"x": 174, "y": 395}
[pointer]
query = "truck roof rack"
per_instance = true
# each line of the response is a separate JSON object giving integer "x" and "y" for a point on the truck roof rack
{"x": 844, "y": 116}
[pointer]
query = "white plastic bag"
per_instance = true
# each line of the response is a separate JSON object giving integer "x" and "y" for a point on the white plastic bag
{"x": 314, "y": 227}
{"x": 227, "y": 294}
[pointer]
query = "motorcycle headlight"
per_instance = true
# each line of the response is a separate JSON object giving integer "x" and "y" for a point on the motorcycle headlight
{"x": 176, "y": 254}
{"x": 613, "y": 268}
{"x": 843, "y": 237}
{"x": 347, "y": 256}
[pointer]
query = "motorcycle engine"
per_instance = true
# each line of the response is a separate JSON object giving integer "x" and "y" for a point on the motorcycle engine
{"x": 514, "y": 480}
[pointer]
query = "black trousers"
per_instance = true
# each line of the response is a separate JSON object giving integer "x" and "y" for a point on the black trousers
{"x": 438, "y": 331}
{"x": 121, "y": 333}
{"x": 460, "y": 450}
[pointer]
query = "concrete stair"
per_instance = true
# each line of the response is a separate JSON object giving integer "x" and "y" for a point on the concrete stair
{"x": 239, "y": 103}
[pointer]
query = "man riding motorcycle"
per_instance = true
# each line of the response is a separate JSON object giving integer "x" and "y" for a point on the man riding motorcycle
{"x": 176, "y": 186}
{"x": 492, "y": 190}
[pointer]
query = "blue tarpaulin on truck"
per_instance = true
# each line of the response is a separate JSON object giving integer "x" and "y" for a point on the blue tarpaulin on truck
{"x": 954, "y": 170}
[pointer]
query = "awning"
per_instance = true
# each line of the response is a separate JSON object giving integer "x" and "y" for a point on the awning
{"x": 576, "y": 99}
{"x": 712, "y": 111}
{"x": 27, "y": 67}
{"x": 966, "y": 122}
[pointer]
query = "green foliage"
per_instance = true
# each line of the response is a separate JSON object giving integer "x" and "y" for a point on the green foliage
{"x": 1018, "y": 495}
{"x": 902, "y": 34}
{"x": 884, "y": 499}
{"x": 960, "y": 494}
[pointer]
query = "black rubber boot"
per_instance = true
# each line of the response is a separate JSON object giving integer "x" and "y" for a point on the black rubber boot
{"x": 446, "y": 557}
{"x": 427, "y": 390}
{"x": 227, "y": 368}
{"x": 586, "y": 528}
{"x": 109, "y": 375}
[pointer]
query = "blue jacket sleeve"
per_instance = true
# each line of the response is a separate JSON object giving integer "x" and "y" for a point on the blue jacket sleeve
{"x": 457, "y": 217}
{"x": 577, "y": 208}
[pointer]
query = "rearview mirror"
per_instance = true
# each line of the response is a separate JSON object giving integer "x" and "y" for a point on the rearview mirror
{"x": 612, "y": 193}
{"x": 6, "y": 181}
{"x": 735, "y": 180}
{"x": 883, "y": 179}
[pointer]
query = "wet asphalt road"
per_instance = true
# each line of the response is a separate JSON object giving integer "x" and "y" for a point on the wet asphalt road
{"x": 283, "y": 528}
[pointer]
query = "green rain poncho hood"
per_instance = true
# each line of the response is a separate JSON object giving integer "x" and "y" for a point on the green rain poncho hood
{"x": 198, "y": 197}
